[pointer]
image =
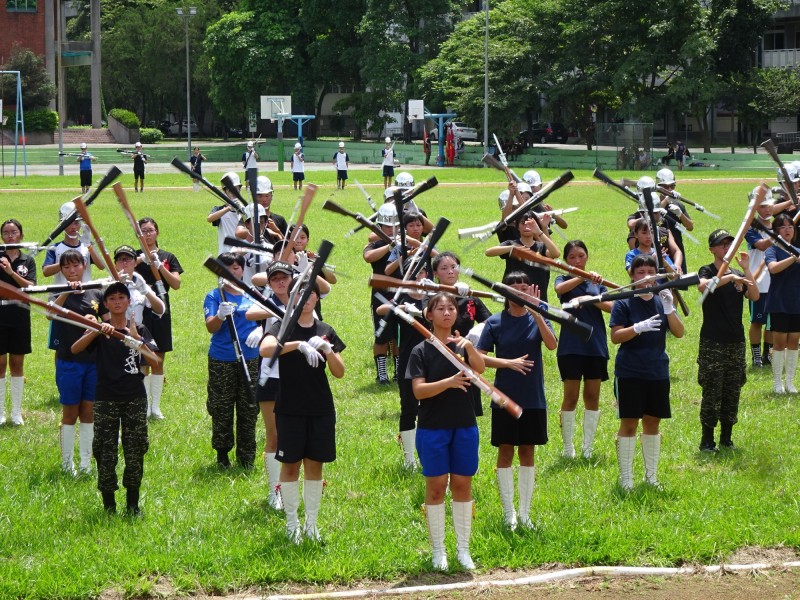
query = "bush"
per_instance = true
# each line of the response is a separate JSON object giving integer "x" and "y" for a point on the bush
{"x": 149, "y": 135}
{"x": 126, "y": 117}
{"x": 41, "y": 120}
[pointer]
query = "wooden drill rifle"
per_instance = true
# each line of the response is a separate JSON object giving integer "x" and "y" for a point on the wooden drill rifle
{"x": 333, "y": 207}
{"x": 521, "y": 253}
{"x": 682, "y": 281}
{"x": 84, "y": 214}
{"x": 236, "y": 204}
{"x": 787, "y": 183}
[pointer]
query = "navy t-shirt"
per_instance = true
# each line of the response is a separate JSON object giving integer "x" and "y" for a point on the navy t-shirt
{"x": 784, "y": 287}
{"x": 645, "y": 356}
{"x": 538, "y": 276}
{"x": 568, "y": 342}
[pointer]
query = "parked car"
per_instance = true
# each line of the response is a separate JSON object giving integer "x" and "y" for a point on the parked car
{"x": 164, "y": 127}
{"x": 461, "y": 130}
{"x": 174, "y": 130}
{"x": 544, "y": 133}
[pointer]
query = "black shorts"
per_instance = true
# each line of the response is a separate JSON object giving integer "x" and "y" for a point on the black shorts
{"x": 270, "y": 391}
{"x": 389, "y": 332}
{"x": 388, "y": 171}
{"x": 341, "y": 174}
{"x": 576, "y": 367}
{"x": 53, "y": 335}
{"x": 86, "y": 178}
{"x": 15, "y": 340}
{"x": 758, "y": 310}
{"x": 529, "y": 430}
{"x": 306, "y": 437}
{"x": 784, "y": 322}
{"x": 160, "y": 328}
{"x": 639, "y": 397}
{"x": 298, "y": 176}
{"x": 138, "y": 173}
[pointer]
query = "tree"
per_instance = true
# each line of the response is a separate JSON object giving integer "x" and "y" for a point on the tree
{"x": 767, "y": 94}
{"x": 37, "y": 87}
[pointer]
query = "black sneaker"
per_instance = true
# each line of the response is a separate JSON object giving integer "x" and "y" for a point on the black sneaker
{"x": 223, "y": 462}
{"x": 383, "y": 381}
{"x": 708, "y": 446}
{"x": 757, "y": 363}
{"x": 727, "y": 444}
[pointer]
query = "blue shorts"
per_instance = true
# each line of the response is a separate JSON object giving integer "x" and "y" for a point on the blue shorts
{"x": 388, "y": 171}
{"x": 76, "y": 381}
{"x": 758, "y": 310}
{"x": 443, "y": 451}
{"x": 341, "y": 174}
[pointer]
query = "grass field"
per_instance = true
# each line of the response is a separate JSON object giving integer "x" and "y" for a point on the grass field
{"x": 206, "y": 530}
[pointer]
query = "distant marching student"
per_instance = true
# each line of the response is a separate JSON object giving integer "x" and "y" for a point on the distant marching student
{"x": 388, "y": 162}
{"x": 298, "y": 166}
{"x": 250, "y": 165}
{"x": 341, "y": 160}
{"x": 85, "y": 161}
{"x": 139, "y": 161}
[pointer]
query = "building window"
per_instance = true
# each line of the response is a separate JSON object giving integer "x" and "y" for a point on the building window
{"x": 773, "y": 40}
{"x": 21, "y": 5}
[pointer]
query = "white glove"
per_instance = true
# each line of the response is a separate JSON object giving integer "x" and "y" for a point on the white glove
{"x": 302, "y": 261}
{"x": 676, "y": 195}
{"x": 226, "y": 309}
{"x": 667, "y": 301}
{"x": 254, "y": 338}
{"x": 154, "y": 260}
{"x": 86, "y": 235}
{"x": 412, "y": 309}
{"x": 140, "y": 285}
{"x": 311, "y": 354}
{"x": 651, "y": 324}
{"x": 475, "y": 334}
{"x": 675, "y": 210}
{"x": 426, "y": 281}
{"x": 124, "y": 277}
{"x": 320, "y": 344}
{"x": 462, "y": 288}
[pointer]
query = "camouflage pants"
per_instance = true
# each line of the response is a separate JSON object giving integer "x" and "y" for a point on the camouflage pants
{"x": 721, "y": 372}
{"x": 109, "y": 417}
{"x": 228, "y": 394}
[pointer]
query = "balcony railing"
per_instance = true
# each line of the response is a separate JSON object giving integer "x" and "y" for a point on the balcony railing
{"x": 781, "y": 58}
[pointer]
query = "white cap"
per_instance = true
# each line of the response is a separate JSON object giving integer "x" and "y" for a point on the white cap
{"x": 768, "y": 199}
{"x": 65, "y": 210}
{"x": 523, "y": 187}
{"x": 644, "y": 183}
{"x": 341, "y": 144}
{"x": 502, "y": 199}
{"x": 665, "y": 176}
{"x": 263, "y": 185}
{"x": 388, "y": 193}
{"x": 138, "y": 144}
{"x": 388, "y": 140}
{"x": 404, "y": 179}
{"x": 83, "y": 145}
{"x": 234, "y": 178}
{"x": 532, "y": 178}
{"x": 298, "y": 145}
{"x": 249, "y": 144}
{"x": 248, "y": 211}
{"x": 387, "y": 215}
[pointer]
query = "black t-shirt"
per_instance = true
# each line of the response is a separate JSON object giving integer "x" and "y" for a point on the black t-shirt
{"x": 118, "y": 373}
{"x": 379, "y": 266}
{"x": 450, "y": 409}
{"x": 722, "y": 310}
{"x": 138, "y": 162}
{"x": 171, "y": 264}
{"x": 15, "y": 315}
{"x": 408, "y": 336}
{"x": 197, "y": 164}
{"x": 537, "y": 276}
{"x": 470, "y": 311}
{"x": 85, "y": 303}
{"x": 304, "y": 389}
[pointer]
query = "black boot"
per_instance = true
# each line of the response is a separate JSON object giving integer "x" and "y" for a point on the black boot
{"x": 223, "y": 462}
{"x": 109, "y": 503}
{"x": 132, "y": 503}
{"x": 725, "y": 437}
{"x": 707, "y": 441}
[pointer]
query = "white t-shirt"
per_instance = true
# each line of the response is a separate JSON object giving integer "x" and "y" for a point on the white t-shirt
{"x": 388, "y": 157}
{"x": 227, "y": 228}
{"x": 250, "y": 161}
{"x": 298, "y": 166}
{"x": 341, "y": 161}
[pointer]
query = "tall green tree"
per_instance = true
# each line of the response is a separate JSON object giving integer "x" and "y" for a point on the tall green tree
{"x": 37, "y": 87}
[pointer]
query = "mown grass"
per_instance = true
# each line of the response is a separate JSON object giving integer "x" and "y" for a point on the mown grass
{"x": 209, "y": 530}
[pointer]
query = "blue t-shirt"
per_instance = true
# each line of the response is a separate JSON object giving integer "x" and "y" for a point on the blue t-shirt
{"x": 85, "y": 162}
{"x": 636, "y": 252}
{"x": 221, "y": 347}
{"x": 645, "y": 356}
{"x": 568, "y": 342}
{"x": 784, "y": 287}
{"x": 512, "y": 337}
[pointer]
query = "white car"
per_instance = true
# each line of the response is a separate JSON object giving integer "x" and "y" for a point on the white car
{"x": 461, "y": 130}
{"x": 173, "y": 129}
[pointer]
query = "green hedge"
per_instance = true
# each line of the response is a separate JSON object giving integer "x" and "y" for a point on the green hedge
{"x": 149, "y": 135}
{"x": 126, "y": 117}
{"x": 39, "y": 120}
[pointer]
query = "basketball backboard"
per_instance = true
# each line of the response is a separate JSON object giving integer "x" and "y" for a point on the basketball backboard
{"x": 416, "y": 110}
{"x": 273, "y": 107}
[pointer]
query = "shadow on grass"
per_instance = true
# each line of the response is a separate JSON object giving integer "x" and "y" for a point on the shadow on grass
{"x": 563, "y": 464}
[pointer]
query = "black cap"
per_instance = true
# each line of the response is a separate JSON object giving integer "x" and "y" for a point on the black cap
{"x": 718, "y": 236}
{"x": 126, "y": 250}
{"x": 280, "y": 267}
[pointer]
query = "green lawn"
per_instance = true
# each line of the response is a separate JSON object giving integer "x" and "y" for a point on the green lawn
{"x": 207, "y": 530}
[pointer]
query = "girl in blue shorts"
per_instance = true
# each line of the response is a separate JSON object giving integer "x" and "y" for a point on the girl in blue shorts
{"x": 447, "y": 433}
{"x": 641, "y": 371}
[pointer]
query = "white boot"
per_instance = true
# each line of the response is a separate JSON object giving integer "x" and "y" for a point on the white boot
{"x": 626, "y": 448}
{"x": 290, "y": 495}
{"x": 408, "y": 442}
{"x": 66, "y": 438}
{"x": 2, "y": 401}
{"x": 312, "y": 497}
{"x": 651, "y": 450}
{"x": 156, "y": 387}
{"x": 147, "y": 379}
{"x": 273, "y": 469}
{"x": 777, "y": 371}
{"x": 567, "y": 432}
{"x": 526, "y": 483}
{"x": 505, "y": 484}
{"x": 590, "y": 419}
{"x": 790, "y": 364}
{"x": 434, "y": 515}
{"x": 85, "y": 439}
{"x": 18, "y": 384}
{"x": 462, "y": 523}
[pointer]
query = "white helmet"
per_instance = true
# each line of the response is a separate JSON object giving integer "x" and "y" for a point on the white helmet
{"x": 768, "y": 199}
{"x": 665, "y": 177}
{"x": 138, "y": 144}
{"x": 248, "y": 211}
{"x": 263, "y": 185}
{"x": 388, "y": 193}
{"x": 66, "y": 210}
{"x": 404, "y": 179}
{"x": 341, "y": 144}
{"x": 791, "y": 171}
{"x": 644, "y": 183}
{"x": 524, "y": 188}
{"x": 83, "y": 145}
{"x": 411, "y": 208}
{"x": 502, "y": 199}
{"x": 532, "y": 178}
{"x": 796, "y": 164}
{"x": 388, "y": 140}
{"x": 298, "y": 145}
{"x": 234, "y": 178}
{"x": 387, "y": 215}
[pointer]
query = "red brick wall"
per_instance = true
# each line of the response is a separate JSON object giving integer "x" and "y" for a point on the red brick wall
{"x": 25, "y": 29}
